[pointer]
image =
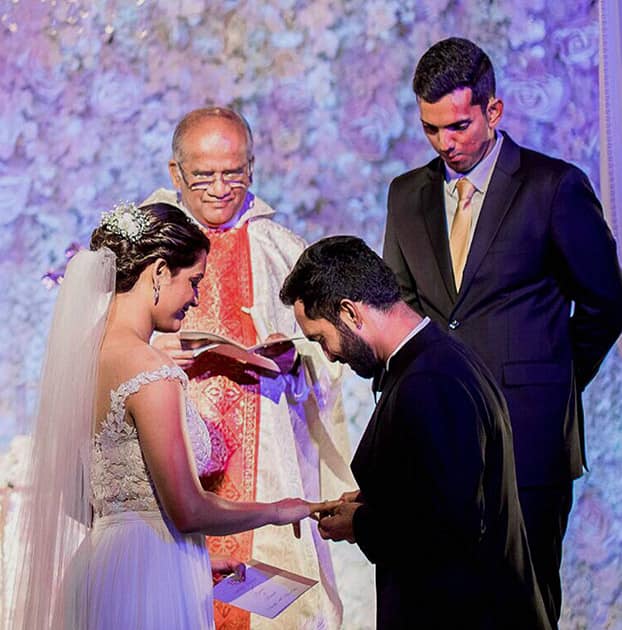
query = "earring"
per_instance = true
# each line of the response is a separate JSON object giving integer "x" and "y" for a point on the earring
{"x": 156, "y": 294}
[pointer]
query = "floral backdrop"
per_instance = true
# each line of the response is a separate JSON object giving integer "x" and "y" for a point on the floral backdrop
{"x": 90, "y": 91}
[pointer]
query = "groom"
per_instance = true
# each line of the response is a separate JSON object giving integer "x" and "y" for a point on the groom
{"x": 439, "y": 445}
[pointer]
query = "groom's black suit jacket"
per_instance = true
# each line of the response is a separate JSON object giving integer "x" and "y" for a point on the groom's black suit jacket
{"x": 540, "y": 243}
{"x": 440, "y": 445}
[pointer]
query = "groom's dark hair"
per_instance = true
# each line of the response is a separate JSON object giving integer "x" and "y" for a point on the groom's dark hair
{"x": 338, "y": 268}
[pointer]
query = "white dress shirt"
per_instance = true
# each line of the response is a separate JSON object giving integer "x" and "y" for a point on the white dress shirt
{"x": 479, "y": 176}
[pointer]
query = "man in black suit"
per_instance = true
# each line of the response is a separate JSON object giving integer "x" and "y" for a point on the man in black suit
{"x": 438, "y": 444}
{"x": 508, "y": 250}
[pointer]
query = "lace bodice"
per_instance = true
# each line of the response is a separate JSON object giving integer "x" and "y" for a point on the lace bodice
{"x": 120, "y": 480}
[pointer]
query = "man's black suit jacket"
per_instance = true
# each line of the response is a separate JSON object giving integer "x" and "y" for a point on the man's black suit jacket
{"x": 540, "y": 244}
{"x": 440, "y": 444}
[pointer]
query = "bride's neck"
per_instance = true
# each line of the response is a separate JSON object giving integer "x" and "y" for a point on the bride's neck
{"x": 128, "y": 315}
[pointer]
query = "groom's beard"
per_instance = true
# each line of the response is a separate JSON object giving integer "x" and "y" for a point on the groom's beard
{"x": 356, "y": 352}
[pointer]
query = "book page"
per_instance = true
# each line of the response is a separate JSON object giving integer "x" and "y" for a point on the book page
{"x": 241, "y": 355}
{"x": 261, "y": 355}
{"x": 274, "y": 344}
{"x": 193, "y": 339}
{"x": 266, "y": 591}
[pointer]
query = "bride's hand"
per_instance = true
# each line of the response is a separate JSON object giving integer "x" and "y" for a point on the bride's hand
{"x": 294, "y": 510}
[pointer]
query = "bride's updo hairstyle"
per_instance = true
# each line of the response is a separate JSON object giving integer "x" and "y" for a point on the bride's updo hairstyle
{"x": 139, "y": 236}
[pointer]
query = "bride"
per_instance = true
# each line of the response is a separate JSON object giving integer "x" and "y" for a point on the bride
{"x": 115, "y": 520}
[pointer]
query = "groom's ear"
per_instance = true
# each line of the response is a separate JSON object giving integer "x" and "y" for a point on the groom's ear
{"x": 350, "y": 314}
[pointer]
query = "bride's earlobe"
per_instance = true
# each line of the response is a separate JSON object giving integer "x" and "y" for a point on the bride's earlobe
{"x": 157, "y": 273}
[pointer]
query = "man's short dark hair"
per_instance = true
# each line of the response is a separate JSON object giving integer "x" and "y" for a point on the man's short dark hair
{"x": 452, "y": 64}
{"x": 338, "y": 268}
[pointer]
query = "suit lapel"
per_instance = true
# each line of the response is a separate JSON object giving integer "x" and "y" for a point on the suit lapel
{"x": 363, "y": 460}
{"x": 502, "y": 188}
{"x": 432, "y": 202}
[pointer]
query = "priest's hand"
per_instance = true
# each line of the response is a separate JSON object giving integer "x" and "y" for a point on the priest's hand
{"x": 171, "y": 344}
{"x": 283, "y": 354}
{"x": 226, "y": 565}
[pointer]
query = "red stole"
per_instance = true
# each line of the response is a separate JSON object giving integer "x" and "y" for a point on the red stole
{"x": 228, "y": 399}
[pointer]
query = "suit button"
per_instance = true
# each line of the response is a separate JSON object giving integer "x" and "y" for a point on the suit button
{"x": 453, "y": 324}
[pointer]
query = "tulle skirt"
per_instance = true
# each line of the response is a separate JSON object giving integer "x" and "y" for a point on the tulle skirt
{"x": 134, "y": 571}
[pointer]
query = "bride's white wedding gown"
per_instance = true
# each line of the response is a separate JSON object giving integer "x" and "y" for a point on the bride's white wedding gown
{"x": 134, "y": 570}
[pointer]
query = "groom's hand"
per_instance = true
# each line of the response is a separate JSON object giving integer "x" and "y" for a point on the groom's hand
{"x": 338, "y": 525}
{"x": 354, "y": 496}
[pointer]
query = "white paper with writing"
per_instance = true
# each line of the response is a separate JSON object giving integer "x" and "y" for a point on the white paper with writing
{"x": 267, "y": 590}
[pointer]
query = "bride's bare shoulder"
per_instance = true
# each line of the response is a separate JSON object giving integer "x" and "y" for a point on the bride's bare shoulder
{"x": 124, "y": 356}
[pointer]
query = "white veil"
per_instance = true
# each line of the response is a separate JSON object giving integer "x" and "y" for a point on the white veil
{"x": 56, "y": 507}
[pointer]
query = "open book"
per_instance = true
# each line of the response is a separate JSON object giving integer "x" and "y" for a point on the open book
{"x": 257, "y": 356}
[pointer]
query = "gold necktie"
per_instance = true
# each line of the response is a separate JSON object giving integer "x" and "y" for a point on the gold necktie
{"x": 461, "y": 228}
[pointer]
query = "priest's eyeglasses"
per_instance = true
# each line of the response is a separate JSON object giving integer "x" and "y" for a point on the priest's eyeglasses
{"x": 238, "y": 177}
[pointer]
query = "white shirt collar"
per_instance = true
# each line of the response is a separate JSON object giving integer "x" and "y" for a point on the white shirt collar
{"x": 480, "y": 174}
{"x": 418, "y": 328}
